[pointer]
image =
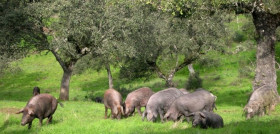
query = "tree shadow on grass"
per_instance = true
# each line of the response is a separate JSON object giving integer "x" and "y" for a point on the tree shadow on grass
{"x": 19, "y": 87}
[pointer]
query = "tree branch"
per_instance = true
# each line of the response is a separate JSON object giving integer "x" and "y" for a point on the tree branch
{"x": 239, "y": 7}
{"x": 157, "y": 69}
{"x": 60, "y": 61}
{"x": 186, "y": 62}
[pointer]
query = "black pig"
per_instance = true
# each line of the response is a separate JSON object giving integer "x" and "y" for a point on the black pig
{"x": 206, "y": 119}
{"x": 36, "y": 91}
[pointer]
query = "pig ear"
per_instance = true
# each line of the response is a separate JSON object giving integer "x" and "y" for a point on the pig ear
{"x": 189, "y": 115}
{"x": 20, "y": 111}
{"x": 250, "y": 110}
{"x": 30, "y": 112}
{"x": 202, "y": 115}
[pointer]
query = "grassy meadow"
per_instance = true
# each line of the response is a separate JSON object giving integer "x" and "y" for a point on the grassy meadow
{"x": 230, "y": 79}
{"x": 229, "y": 76}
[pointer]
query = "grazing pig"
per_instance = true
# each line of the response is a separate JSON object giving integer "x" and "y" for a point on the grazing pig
{"x": 137, "y": 99}
{"x": 206, "y": 119}
{"x": 159, "y": 103}
{"x": 40, "y": 106}
{"x": 200, "y": 100}
{"x": 36, "y": 91}
{"x": 113, "y": 101}
{"x": 261, "y": 102}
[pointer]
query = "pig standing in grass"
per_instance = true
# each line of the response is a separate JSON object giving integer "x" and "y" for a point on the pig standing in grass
{"x": 113, "y": 100}
{"x": 200, "y": 100}
{"x": 159, "y": 103}
{"x": 36, "y": 91}
{"x": 137, "y": 99}
{"x": 206, "y": 119}
{"x": 40, "y": 106}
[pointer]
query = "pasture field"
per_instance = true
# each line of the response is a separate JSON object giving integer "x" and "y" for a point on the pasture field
{"x": 230, "y": 79}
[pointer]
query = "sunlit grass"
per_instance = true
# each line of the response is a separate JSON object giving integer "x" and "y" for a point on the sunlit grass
{"x": 80, "y": 116}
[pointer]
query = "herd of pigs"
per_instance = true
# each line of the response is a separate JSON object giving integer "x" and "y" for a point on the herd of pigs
{"x": 168, "y": 104}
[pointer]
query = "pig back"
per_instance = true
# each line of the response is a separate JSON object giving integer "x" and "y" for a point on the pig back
{"x": 164, "y": 98}
{"x": 206, "y": 97}
{"x": 112, "y": 98}
{"x": 139, "y": 97}
{"x": 43, "y": 104}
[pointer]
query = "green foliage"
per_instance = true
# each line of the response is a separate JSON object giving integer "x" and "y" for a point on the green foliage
{"x": 133, "y": 69}
{"x": 208, "y": 61}
{"x": 194, "y": 82}
{"x": 239, "y": 37}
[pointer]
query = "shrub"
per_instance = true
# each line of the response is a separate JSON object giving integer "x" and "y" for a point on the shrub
{"x": 209, "y": 62}
{"x": 239, "y": 37}
{"x": 194, "y": 82}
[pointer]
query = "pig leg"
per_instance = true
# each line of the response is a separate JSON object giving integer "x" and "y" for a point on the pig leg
{"x": 161, "y": 115}
{"x": 49, "y": 119}
{"x": 106, "y": 110}
{"x": 29, "y": 125}
{"x": 144, "y": 115}
{"x": 139, "y": 110}
{"x": 40, "y": 121}
{"x": 185, "y": 114}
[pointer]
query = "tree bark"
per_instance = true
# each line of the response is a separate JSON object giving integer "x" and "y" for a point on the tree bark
{"x": 265, "y": 95}
{"x": 169, "y": 81}
{"x": 110, "y": 78}
{"x": 65, "y": 83}
{"x": 67, "y": 68}
{"x": 265, "y": 69}
{"x": 191, "y": 70}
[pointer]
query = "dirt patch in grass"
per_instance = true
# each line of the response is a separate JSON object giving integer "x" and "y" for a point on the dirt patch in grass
{"x": 9, "y": 110}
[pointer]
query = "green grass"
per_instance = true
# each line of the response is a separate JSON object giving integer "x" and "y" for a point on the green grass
{"x": 79, "y": 115}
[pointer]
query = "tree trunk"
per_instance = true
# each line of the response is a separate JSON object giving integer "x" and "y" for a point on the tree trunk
{"x": 169, "y": 80}
{"x": 110, "y": 78}
{"x": 67, "y": 72}
{"x": 191, "y": 70}
{"x": 265, "y": 95}
{"x": 65, "y": 82}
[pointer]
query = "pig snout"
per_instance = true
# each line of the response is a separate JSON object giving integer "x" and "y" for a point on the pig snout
{"x": 23, "y": 123}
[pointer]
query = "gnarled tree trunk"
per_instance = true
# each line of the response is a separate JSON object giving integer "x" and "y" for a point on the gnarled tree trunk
{"x": 67, "y": 73}
{"x": 110, "y": 78}
{"x": 65, "y": 83}
{"x": 265, "y": 95}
